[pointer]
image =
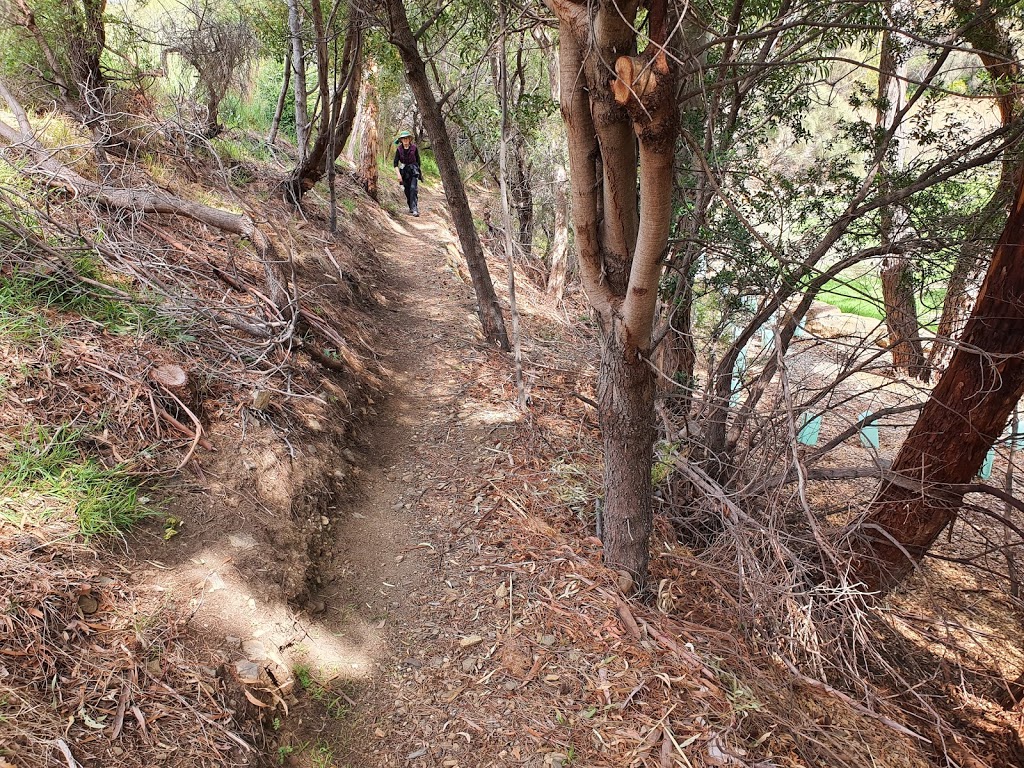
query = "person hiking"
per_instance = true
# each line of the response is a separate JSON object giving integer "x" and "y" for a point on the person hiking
{"x": 407, "y": 161}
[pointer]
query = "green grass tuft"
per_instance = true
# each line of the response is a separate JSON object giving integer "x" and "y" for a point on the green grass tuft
{"x": 862, "y": 295}
{"x": 334, "y": 703}
{"x": 22, "y": 295}
{"x": 106, "y": 501}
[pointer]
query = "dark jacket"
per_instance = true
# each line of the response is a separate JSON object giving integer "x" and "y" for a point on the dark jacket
{"x": 410, "y": 156}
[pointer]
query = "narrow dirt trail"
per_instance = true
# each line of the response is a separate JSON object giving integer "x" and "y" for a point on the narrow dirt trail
{"x": 424, "y": 445}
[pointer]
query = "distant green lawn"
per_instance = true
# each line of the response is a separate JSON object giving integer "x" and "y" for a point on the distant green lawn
{"x": 862, "y": 295}
{"x": 857, "y": 295}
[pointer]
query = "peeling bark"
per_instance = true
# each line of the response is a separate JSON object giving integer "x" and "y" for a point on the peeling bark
{"x": 369, "y": 144}
{"x": 558, "y": 256}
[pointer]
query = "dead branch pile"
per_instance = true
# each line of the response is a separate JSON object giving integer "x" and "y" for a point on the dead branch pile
{"x": 198, "y": 306}
{"x": 86, "y": 678}
{"x": 769, "y": 532}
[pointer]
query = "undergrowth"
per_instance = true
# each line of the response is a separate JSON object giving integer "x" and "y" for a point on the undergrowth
{"x": 44, "y": 467}
{"x": 23, "y": 295}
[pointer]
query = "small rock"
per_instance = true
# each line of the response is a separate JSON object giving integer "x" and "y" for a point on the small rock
{"x": 254, "y": 650}
{"x": 233, "y": 642}
{"x": 379, "y": 733}
{"x": 469, "y": 665}
{"x": 88, "y": 604}
{"x": 547, "y": 640}
{"x": 399, "y": 558}
{"x": 511, "y": 685}
{"x": 624, "y": 581}
{"x": 470, "y": 640}
{"x": 241, "y": 540}
{"x": 215, "y": 582}
{"x": 325, "y": 520}
{"x": 247, "y": 671}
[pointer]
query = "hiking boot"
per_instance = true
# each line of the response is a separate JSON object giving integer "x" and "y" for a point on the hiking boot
{"x": 415, "y": 212}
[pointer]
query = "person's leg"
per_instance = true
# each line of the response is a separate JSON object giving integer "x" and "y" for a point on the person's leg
{"x": 414, "y": 196}
{"x": 407, "y": 181}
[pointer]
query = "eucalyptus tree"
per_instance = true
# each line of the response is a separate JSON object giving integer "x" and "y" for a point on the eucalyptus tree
{"x": 787, "y": 211}
{"x": 768, "y": 211}
{"x": 960, "y": 422}
{"x": 621, "y": 117}
{"x": 70, "y": 38}
{"x": 988, "y": 31}
{"x": 64, "y": 46}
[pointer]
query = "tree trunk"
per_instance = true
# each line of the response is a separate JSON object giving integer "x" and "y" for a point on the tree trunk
{"x": 969, "y": 268}
{"x": 455, "y": 191}
{"x": 282, "y": 97}
{"x": 615, "y": 126}
{"x": 337, "y": 106}
{"x": 897, "y": 271}
{"x": 506, "y": 213}
{"x": 369, "y": 144}
{"x": 677, "y": 355}
{"x": 522, "y": 194}
{"x": 626, "y": 414}
{"x": 299, "y": 86}
{"x": 559, "y": 255}
{"x": 998, "y": 53}
{"x": 901, "y": 318}
{"x": 960, "y": 422}
{"x": 550, "y": 50}
{"x": 213, "y": 126}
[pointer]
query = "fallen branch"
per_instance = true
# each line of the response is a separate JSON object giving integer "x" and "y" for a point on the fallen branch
{"x": 819, "y": 685}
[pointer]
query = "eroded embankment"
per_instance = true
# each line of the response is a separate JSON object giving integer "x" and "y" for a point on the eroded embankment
{"x": 152, "y": 395}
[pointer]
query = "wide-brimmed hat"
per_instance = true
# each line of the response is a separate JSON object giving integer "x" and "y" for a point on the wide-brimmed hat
{"x": 403, "y": 135}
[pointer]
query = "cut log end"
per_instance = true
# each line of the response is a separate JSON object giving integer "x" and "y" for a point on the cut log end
{"x": 169, "y": 375}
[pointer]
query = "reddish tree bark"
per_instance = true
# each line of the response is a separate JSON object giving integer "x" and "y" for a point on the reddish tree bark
{"x": 960, "y": 422}
{"x": 998, "y": 53}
